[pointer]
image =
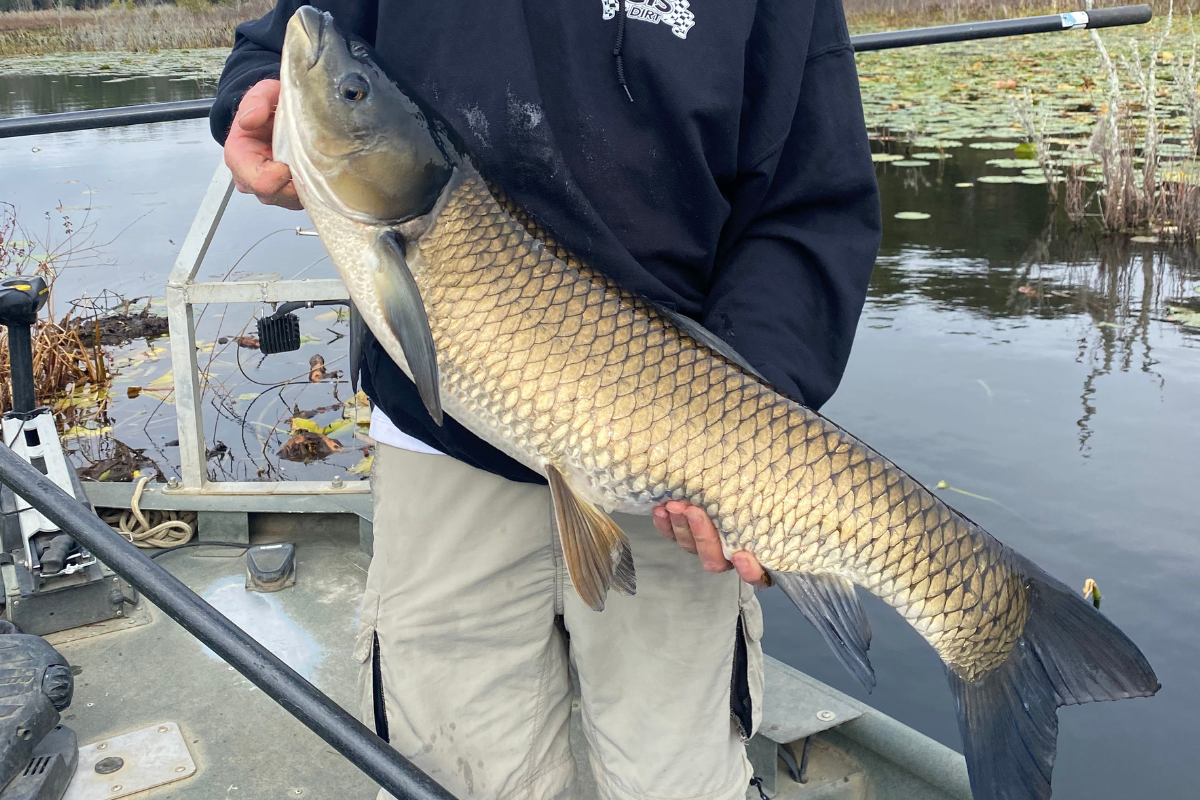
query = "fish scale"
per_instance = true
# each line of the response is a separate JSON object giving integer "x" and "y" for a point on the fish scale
{"x": 554, "y": 363}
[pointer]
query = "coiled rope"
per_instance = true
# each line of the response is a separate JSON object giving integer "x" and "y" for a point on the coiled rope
{"x": 152, "y": 528}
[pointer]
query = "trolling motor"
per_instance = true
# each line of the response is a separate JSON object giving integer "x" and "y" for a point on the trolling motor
{"x": 51, "y": 583}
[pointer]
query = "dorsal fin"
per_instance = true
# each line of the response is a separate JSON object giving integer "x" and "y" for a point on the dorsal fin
{"x": 710, "y": 340}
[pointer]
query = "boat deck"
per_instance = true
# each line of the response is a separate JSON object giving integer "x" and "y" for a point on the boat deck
{"x": 145, "y": 670}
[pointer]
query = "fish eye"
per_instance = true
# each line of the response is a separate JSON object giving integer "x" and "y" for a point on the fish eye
{"x": 354, "y": 88}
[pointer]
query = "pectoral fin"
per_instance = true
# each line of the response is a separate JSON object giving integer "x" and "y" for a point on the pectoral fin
{"x": 405, "y": 313}
{"x": 830, "y": 604}
{"x": 595, "y": 548}
{"x": 358, "y": 335}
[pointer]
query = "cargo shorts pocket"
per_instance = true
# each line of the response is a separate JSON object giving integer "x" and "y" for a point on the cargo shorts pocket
{"x": 746, "y": 686}
{"x": 366, "y": 649}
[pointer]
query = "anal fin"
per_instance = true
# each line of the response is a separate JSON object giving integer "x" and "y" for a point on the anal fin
{"x": 594, "y": 547}
{"x": 830, "y": 604}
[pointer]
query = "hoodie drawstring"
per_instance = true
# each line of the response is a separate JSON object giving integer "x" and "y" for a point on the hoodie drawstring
{"x": 618, "y": 47}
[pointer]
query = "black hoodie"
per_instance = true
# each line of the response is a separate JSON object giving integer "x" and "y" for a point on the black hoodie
{"x": 710, "y": 155}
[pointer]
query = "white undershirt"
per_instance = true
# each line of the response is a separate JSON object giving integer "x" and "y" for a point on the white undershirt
{"x": 383, "y": 430}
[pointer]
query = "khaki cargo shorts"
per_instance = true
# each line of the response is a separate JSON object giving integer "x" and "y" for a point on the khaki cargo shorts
{"x": 471, "y": 634}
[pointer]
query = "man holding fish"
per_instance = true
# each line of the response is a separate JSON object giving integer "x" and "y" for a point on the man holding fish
{"x": 736, "y": 186}
{"x": 531, "y": 207}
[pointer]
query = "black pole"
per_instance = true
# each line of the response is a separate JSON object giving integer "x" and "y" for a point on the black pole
{"x": 105, "y": 118}
{"x": 915, "y": 37}
{"x": 277, "y": 680}
{"x": 20, "y": 367}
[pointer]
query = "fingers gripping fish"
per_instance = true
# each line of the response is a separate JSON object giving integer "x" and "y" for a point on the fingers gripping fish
{"x": 624, "y": 406}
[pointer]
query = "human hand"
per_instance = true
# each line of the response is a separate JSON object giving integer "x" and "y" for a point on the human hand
{"x": 248, "y": 149}
{"x": 690, "y": 526}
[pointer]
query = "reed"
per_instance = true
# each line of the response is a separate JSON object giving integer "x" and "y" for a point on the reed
{"x": 1137, "y": 189}
{"x": 62, "y": 363}
{"x": 125, "y": 26}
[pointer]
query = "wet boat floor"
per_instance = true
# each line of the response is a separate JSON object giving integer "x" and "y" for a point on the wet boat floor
{"x": 243, "y": 743}
{"x": 146, "y": 670}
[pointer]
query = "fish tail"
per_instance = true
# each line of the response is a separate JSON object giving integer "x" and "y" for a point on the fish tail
{"x": 1068, "y": 653}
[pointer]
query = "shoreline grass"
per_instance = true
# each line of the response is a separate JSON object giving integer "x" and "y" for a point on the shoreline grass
{"x": 195, "y": 24}
{"x": 129, "y": 28}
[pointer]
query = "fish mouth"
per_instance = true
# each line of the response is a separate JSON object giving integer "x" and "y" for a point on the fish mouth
{"x": 312, "y": 24}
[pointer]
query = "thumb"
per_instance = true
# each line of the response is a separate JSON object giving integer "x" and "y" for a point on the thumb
{"x": 254, "y": 114}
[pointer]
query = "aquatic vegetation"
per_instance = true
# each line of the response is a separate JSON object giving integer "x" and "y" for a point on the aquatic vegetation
{"x": 62, "y": 363}
{"x": 1115, "y": 127}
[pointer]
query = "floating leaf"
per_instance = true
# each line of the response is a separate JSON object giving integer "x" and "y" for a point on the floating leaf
{"x": 995, "y": 145}
{"x": 911, "y": 162}
{"x": 301, "y": 424}
{"x": 362, "y": 467}
{"x": 933, "y": 156}
{"x": 1187, "y": 317}
{"x": 1026, "y": 150}
{"x": 248, "y": 396}
{"x": 1013, "y": 163}
{"x": 963, "y": 185}
{"x": 997, "y": 179}
{"x": 80, "y": 432}
{"x": 1144, "y": 239}
{"x": 339, "y": 424}
{"x": 914, "y": 215}
{"x": 930, "y": 141}
{"x": 877, "y": 158}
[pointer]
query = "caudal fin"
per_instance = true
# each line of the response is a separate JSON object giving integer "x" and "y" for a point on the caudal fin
{"x": 1068, "y": 654}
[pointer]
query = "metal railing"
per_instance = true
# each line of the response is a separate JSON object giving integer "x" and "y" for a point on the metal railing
{"x": 183, "y": 293}
{"x": 241, "y": 651}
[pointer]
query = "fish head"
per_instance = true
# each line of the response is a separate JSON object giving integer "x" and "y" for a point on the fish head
{"x": 356, "y": 142}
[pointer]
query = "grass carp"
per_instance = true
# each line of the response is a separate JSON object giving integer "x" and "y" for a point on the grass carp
{"x": 623, "y": 406}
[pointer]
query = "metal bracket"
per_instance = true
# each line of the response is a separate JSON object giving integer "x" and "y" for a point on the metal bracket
{"x": 183, "y": 292}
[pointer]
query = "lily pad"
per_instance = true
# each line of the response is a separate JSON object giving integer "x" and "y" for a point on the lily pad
{"x": 997, "y": 179}
{"x": 911, "y": 162}
{"x": 885, "y": 157}
{"x": 911, "y": 215}
{"x": 995, "y": 145}
{"x": 932, "y": 156}
{"x": 1184, "y": 316}
{"x": 964, "y": 185}
{"x": 1013, "y": 163}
